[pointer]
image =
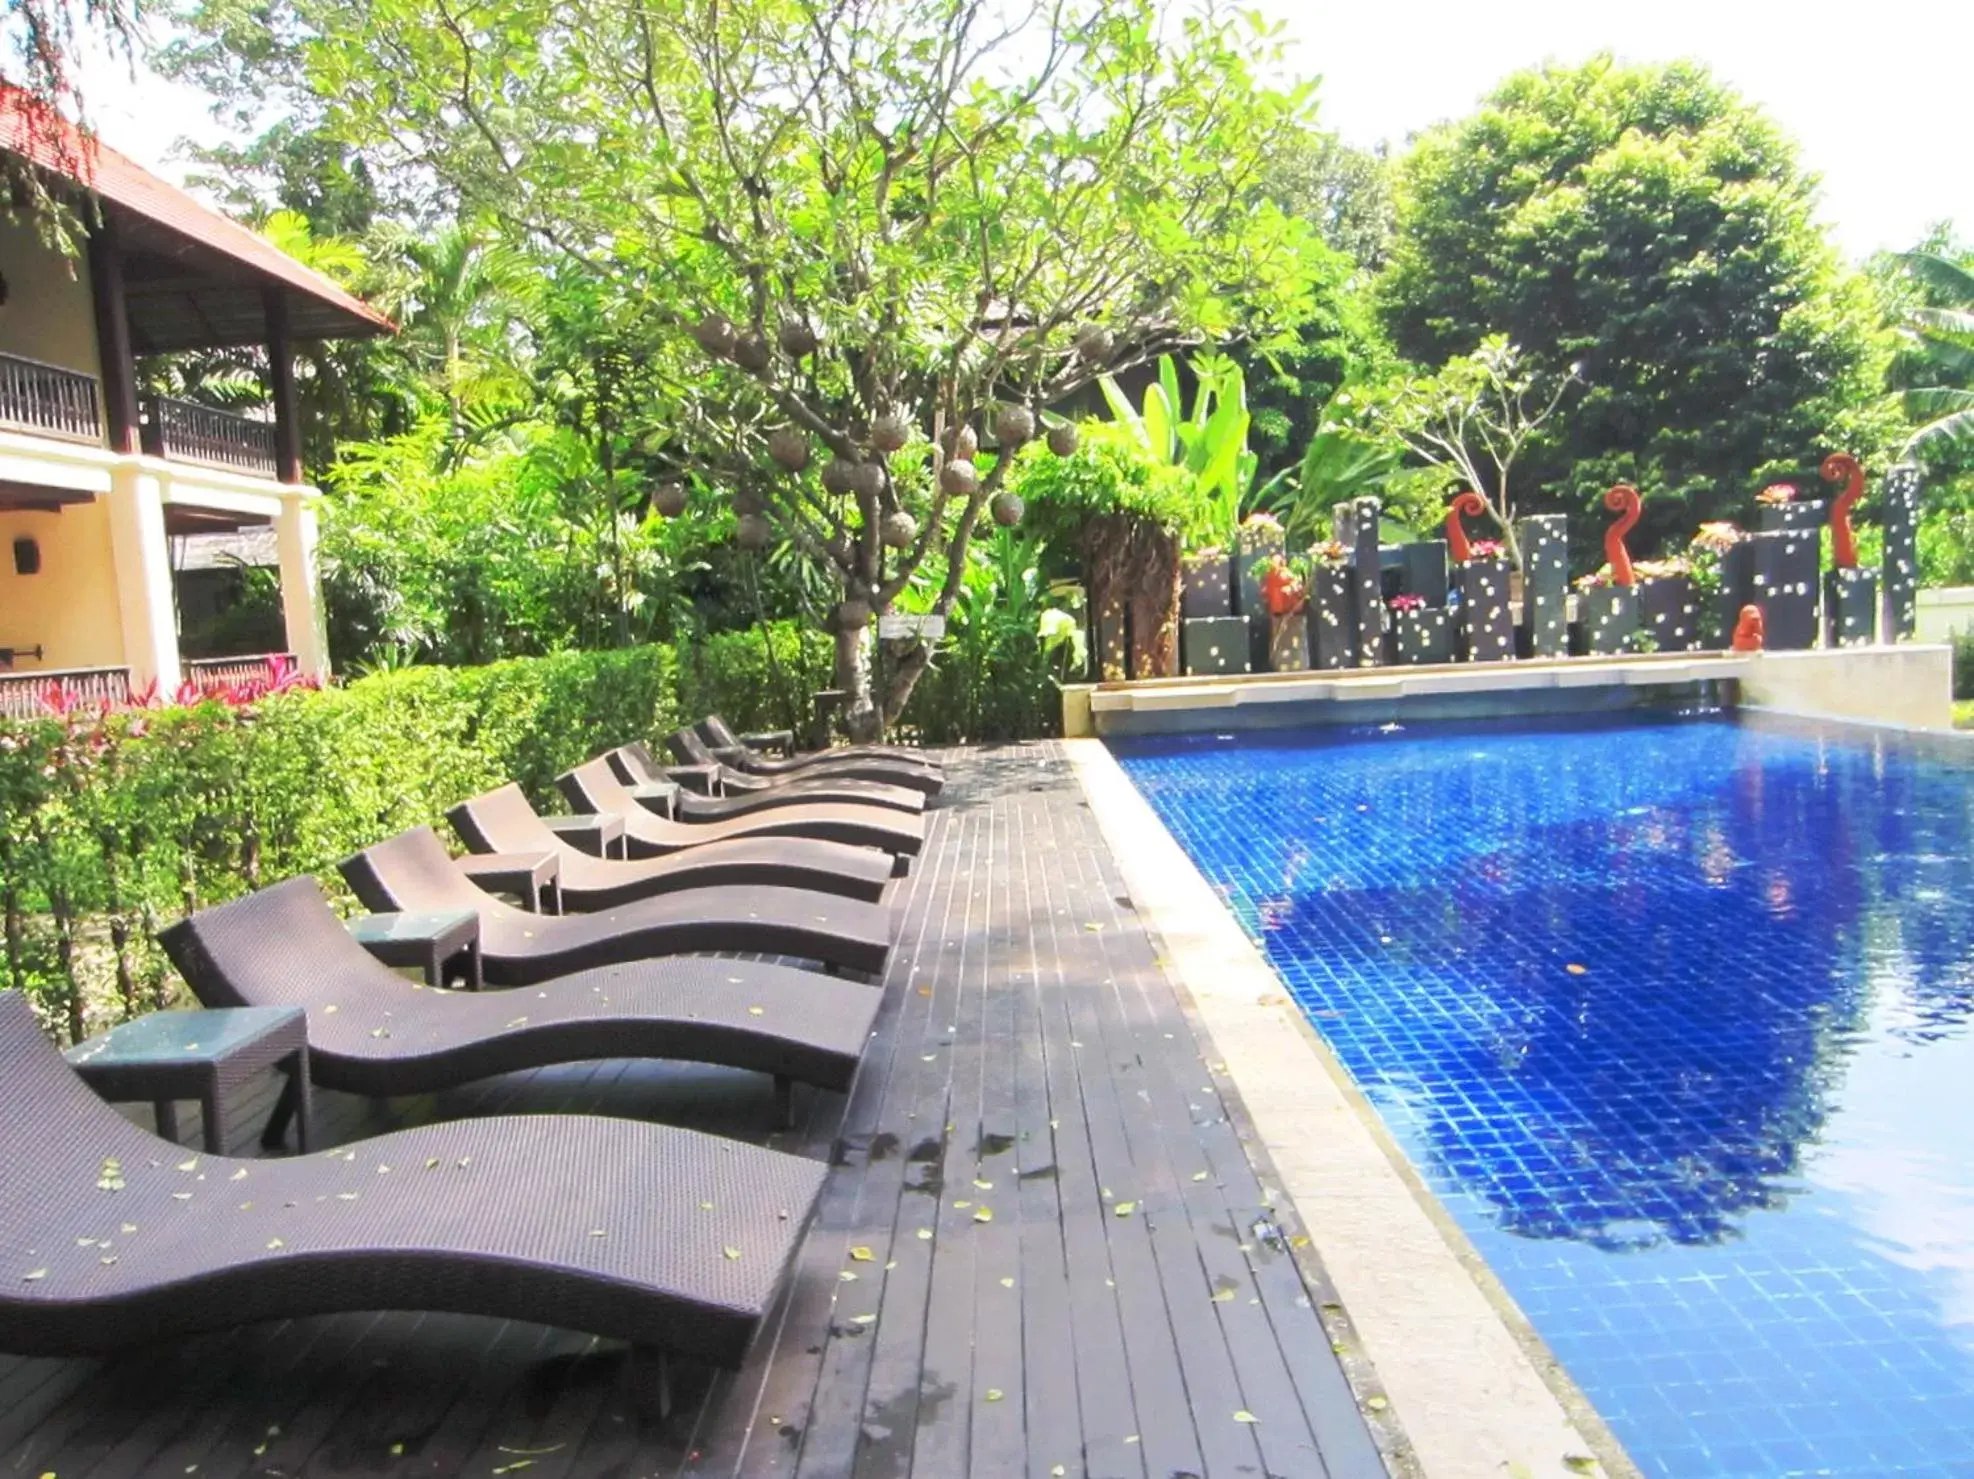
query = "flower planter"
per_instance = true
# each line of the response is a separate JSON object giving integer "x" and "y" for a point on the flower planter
{"x": 1207, "y": 587}
{"x": 1111, "y": 643}
{"x": 1288, "y": 642}
{"x": 1422, "y": 571}
{"x": 1669, "y": 610}
{"x": 1545, "y": 585}
{"x": 1256, "y": 542}
{"x": 1800, "y": 513}
{"x": 1486, "y": 629}
{"x": 1421, "y": 635}
{"x": 1215, "y": 644}
{"x": 1607, "y": 615}
{"x": 1332, "y": 644}
{"x": 1355, "y": 526}
{"x": 1784, "y": 581}
{"x": 1850, "y": 608}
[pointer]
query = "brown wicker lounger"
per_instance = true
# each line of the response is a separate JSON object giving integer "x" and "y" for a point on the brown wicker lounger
{"x": 599, "y": 785}
{"x": 372, "y": 1032}
{"x": 504, "y": 821}
{"x": 746, "y": 791}
{"x": 412, "y": 871}
{"x": 111, "y": 1237}
{"x": 918, "y": 775}
{"x": 880, "y": 762}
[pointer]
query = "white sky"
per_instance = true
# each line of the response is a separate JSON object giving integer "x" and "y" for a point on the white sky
{"x": 1877, "y": 98}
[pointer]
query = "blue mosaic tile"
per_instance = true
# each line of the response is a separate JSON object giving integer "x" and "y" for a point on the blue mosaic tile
{"x": 1673, "y": 1017}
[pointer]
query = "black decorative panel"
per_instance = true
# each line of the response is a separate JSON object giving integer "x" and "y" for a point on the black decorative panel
{"x": 1422, "y": 635}
{"x": 1850, "y": 608}
{"x": 1785, "y": 586}
{"x": 1545, "y": 585}
{"x": 1803, "y": 513}
{"x": 1356, "y": 529}
{"x": 1207, "y": 585}
{"x": 1256, "y": 543}
{"x": 1737, "y": 585}
{"x": 1332, "y": 624}
{"x": 1609, "y": 616}
{"x": 1899, "y": 513}
{"x": 1288, "y": 643}
{"x": 1214, "y": 644}
{"x": 1487, "y": 627}
{"x": 1669, "y": 609}
{"x": 1422, "y": 567}
{"x": 1112, "y": 643}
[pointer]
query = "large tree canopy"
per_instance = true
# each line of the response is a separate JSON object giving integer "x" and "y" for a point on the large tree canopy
{"x": 1648, "y": 224}
{"x": 855, "y": 229}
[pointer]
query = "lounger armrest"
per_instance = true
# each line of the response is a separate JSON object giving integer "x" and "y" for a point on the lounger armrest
{"x": 770, "y": 739}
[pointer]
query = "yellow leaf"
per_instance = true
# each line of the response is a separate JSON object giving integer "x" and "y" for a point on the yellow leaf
{"x": 1223, "y": 1296}
{"x": 1579, "y": 1463}
{"x": 864, "y": 1320}
{"x": 1199, "y": 1175}
{"x": 1244, "y": 1416}
{"x": 1125, "y": 1209}
{"x": 1007, "y": 1283}
{"x": 731, "y": 1251}
{"x": 994, "y": 1394}
{"x": 1376, "y": 1404}
{"x": 191, "y": 1165}
{"x": 961, "y": 1206}
{"x": 239, "y": 1175}
{"x": 755, "y": 1011}
{"x": 984, "y": 1214}
{"x": 845, "y": 1276}
{"x": 276, "y": 1243}
{"x": 925, "y": 1234}
{"x": 979, "y": 1185}
{"x": 705, "y": 1206}
{"x": 862, "y": 1255}
{"x": 597, "y": 1232}
{"x": 34, "y": 1276}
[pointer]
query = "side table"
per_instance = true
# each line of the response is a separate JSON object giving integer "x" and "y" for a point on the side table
{"x": 533, "y": 877}
{"x": 661, "y": 797}
{"x": 600, "y": 834}
{"x": 428, "y": 939}
{"x": 704, "y": 779}
{"x": 204, "y": 1055}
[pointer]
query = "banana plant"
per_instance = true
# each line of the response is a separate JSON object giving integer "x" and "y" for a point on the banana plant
{"x": 1210, "y": 442}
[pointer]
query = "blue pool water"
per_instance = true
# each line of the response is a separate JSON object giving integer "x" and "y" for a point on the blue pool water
{"x": 1674, "y": 1018}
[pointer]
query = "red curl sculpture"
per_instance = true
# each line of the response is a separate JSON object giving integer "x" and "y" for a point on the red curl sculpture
{"x": 1841, "y": 467}
{"x": 1472, "y": 505}
{"x": 1622, "y": 500}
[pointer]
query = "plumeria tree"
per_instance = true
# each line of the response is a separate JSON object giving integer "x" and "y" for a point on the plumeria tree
{"x": 871, "y": 240}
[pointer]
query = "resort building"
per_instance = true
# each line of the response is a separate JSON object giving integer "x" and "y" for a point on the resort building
{"x": 97, "y": 481}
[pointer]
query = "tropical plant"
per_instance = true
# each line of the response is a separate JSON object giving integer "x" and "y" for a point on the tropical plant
{"x": 848, "y": 249}
{"x": 1941, "y": 328}
{"x": 1474, "y": 417}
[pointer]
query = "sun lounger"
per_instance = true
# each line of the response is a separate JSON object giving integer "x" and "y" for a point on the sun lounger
{"x": 749, "y": 792}
{"x": 917, "y": 775}
{"x": 370, "y": 1031}
{"x": 505, "y": 821}
{"x": 720, "y": 735}
{"x": 111, "y": 1237}
{"x": 413, "y": 872}
{"x": 604, "y": 784}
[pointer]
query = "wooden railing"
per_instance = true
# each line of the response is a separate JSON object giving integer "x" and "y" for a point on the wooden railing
{"x": 48, "y": 400}
{"x": 21, "y": 694}
{"x": 208, "y": 674}
{"x": 186, "y": 432}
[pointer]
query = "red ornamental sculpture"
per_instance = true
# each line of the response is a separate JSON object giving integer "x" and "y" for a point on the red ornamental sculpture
{"x": 1472, "y": 505}
{"x": 1281, "y": 592}
{"x": 1748, "y": 634}
{"x": 1841, "y": 467}
{"x": 1622, "y": 500}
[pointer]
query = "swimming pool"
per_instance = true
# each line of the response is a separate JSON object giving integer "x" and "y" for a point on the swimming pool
{"x": 1673, "y": 1018}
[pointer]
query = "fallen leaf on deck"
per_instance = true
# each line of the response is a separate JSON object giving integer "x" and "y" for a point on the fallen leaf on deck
{"x": 34, "y": 1275}
{"x": 925, "y": 1234}
{"x": 731, "y": 1252}
{"x": 1376, "y": 1404}
{"x": 756, "y": 1011}
{"x": 276, "y": 1243}
{"x": 191, "y": 1165}
{"x": 1580, "y": 1463}
{"x": 983, "y": 1214}
{"x": 862, "y": 1254}
{"x": 994, "y": 1394}
{"x": 239, "y": 1175}
{"x": 1007, "y": 1283}
{"x": 1244, "y": 1416}
{"x": 845, "y": 1276}
{"x": 1199, "y": 1175}
{"x": 1125, "y": 1209}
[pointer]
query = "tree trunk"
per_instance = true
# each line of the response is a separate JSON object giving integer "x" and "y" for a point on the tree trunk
{"x": 905, "y": 663}
{"x": 862, "y": 720}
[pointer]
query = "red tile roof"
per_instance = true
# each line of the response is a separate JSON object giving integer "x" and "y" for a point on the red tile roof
{"x": 33, "y": 131}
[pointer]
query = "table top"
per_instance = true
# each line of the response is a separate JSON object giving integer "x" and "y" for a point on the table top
{"x": 183, "y": 1037}
{"x": 414, "y": 925}
{"x": 541, "y": 866}
{"x": 655, "y": 790}
{"x": 701, "y": 770}
{"x": 606, "y": 824}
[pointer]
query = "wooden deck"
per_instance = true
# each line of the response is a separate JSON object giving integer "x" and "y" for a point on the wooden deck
{"x": 1072, "y": 1265}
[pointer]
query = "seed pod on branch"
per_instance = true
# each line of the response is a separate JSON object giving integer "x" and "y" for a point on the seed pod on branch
{"x": 960, "y": 478}
{"x": 752, "y": 532}
{"x": 669, "y": 499}
{"x": 789, "y": 448}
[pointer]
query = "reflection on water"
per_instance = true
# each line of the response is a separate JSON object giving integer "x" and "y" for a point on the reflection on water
{"x": 1634, "y": 991}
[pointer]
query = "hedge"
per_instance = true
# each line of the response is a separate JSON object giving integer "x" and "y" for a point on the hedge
{"x": 111, "y": 825}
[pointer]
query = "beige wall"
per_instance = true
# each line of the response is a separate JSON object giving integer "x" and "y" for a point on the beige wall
{"x": 70, "y": 608}
{"x": 48, "y": 314}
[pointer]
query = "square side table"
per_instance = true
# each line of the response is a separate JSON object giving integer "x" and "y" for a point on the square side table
{"x": 533, "y": 877}
{"x": 427, "y": 939}
{"x": 202, "y": 1055}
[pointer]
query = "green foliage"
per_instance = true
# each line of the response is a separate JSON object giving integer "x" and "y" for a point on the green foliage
{"x": 1937, "y": 369}
{"x": 1209, "y": 443}
{"x": 1111, "y": 472}
{"x": 1649, "y": 223}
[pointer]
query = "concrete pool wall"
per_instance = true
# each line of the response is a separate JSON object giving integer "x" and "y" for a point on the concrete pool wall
{"x": 1909, "y": 686}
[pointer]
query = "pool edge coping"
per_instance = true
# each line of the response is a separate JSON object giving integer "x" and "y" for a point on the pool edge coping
{"x": 1475, "y": 1392}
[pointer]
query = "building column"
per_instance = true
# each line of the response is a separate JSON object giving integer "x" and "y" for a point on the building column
{"x": 301, "y": 585}
{"x": 118, "y": 365}
{"x": 142, "y": 556}
{"x": 281, "y": 387}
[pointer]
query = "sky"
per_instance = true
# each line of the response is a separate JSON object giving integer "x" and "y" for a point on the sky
{"x": 1881, "y": 111}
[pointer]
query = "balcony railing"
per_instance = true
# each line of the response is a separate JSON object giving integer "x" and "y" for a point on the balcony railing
{"x": 186, "y": 432}
{"x": 48, "y": 400}
{"x": 24, "y": 695}
{"x": 210, "y": 674}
